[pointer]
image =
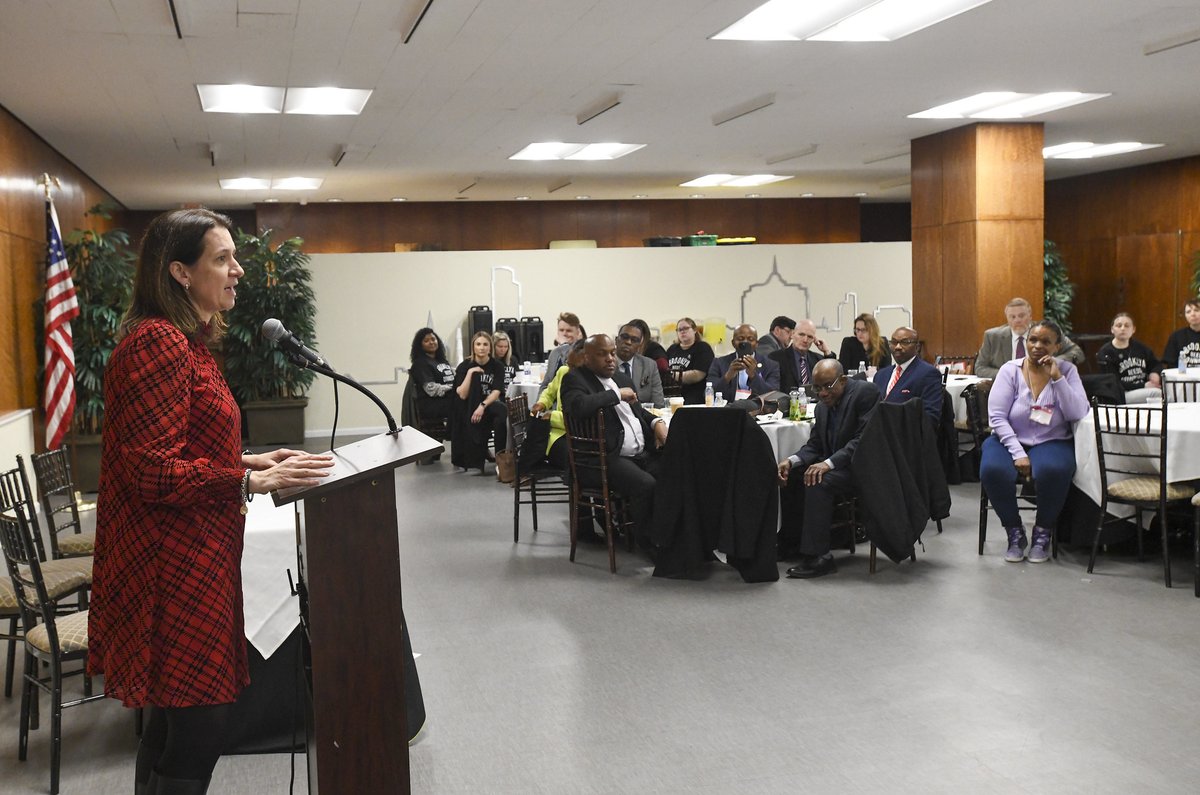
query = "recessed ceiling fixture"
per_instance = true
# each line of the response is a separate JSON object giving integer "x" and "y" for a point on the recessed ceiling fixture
{"x": 271, "y": 201}
{"x": 806, "y": 195}
{"x": 842, "y": 20}
{"x": 583, "y": 196}
{"x": 1006, "y": 105}
{"x": 860, "y": 194}
{"x": 521, "y": 198}
{"x": 697, "y": 196}
{"x": 399, "y": 199}
{"x": 641, "y": 196}
{"x": 297, "y": 183}
{"x": 557, "y": 150}
{"x": 335, "y": 201}
{"x": 245, "y": 183}
{"x": 319, "y": 101}
{"x": 1082, "y": 150}
{"x": 732, "y": 181}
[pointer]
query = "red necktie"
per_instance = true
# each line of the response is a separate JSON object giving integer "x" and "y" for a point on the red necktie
{"x": 895, "y": 378}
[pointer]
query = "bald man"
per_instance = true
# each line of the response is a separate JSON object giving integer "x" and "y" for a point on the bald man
{"x": 910, "y": 376}
{"x": 745, "y": 373}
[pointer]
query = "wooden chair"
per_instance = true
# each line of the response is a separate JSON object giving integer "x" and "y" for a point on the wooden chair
{"x": 56, "y": 489}
{"x": 1181, "y": 391}
{"x": 587, "y": 456}
{"x": 958, "y": 364}
{"x": 1132, "y": 441}
{"x": 51, "y": 640}
{"x": 541, "y": 479}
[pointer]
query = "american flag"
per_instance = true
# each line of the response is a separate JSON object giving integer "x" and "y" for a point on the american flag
{"x": 61, "y": 308}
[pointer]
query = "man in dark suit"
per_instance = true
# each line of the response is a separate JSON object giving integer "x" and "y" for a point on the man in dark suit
{"x": 641, "y": 370}
{"x": 797, "y": 361}
{"x": 910, "y": 376}
{"x": 632, "y": 434}
{"x": 744, "y": 371}
{"x": 820, "y": 470}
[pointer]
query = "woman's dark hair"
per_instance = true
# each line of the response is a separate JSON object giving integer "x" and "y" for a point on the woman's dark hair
{"x": 637, "y": 322}
{"x": 417, "y": 351}
{"x": 1050, "y": 324}
{"x": 176, "y": 236}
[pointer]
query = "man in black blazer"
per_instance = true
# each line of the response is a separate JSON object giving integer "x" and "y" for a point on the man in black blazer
{"x": 820, "y": 470}
{"x": 798, "y": 360}
{"x": 632, "y": 434}
{"x": 916, "y": 378}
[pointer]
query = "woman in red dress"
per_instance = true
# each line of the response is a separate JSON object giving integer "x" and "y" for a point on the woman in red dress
{"x": 165, "y": 627}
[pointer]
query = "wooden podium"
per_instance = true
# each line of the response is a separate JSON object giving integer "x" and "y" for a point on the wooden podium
{"x": 351, "y": 605}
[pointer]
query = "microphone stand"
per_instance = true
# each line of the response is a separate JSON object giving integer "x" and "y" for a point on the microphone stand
{"x": 300, "y": 361}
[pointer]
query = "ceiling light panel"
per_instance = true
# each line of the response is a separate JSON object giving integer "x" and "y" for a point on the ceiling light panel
{"x": 326, "y": 101}
{"x": 245, "y": 183}
{"x": 843, "y": 20}
{"x": 240, "y": 98}
{"x": 788, "y": 20}
{"x": 1006, "y": 105}
{"x": 1084, "y": 150}
{"x": 557, "y": 150}
{"x": 297, "y": 183}
{"x": 732, "y": 181}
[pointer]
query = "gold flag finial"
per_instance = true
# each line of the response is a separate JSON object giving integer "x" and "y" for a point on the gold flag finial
{"x": 48, "y": 183}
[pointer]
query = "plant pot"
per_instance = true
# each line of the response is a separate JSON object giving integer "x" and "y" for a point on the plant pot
{"x": 85, "y": 461}
{"x": 275, "y": 421}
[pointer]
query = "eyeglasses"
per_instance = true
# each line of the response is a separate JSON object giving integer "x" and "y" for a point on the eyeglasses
{"x": 629, "y": 338}
{"x": 827, "y": 387}
{"x": 682, "y": 329}
{"x": 902, "y": 343}
{"x": 860, "y": 329}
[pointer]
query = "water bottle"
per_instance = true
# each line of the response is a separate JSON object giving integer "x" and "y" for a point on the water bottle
{"x": 794, "y": 405}
{"x": 528, "y": 370}
{"x": 708, "y": 394}
{"x": 803, "y": 404}
{"x": 1183, "y": 362}
{"x": 862, "y": 367}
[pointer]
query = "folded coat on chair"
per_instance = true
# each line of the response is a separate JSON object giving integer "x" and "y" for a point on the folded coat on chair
{"x": 899, "y": 477}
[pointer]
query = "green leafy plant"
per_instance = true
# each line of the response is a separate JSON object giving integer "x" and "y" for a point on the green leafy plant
{"x": 276, "y": 284}
{"x": 102, "y": 267}
{"x": 1059, "y": 291}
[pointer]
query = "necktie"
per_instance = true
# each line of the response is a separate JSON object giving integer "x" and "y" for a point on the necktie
{"x": 625, "y": 369}
{"x": 1020, "y": 348}
{"x": 895, "y": 378}
{"x": 804, "y": 377}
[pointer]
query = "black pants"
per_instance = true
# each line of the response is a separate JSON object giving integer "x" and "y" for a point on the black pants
{"x": 187, "y": 741}
{"x": 806, "y": 512}
{"x": 632, "y": 478}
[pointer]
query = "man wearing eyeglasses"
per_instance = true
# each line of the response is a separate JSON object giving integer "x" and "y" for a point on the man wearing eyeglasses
{"x": 819, "y": 471}
{"x": 910, "y": 376}
{"x": 641, "y": 370}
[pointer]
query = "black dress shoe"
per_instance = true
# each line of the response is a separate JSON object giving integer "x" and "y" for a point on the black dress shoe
{"x": 811, "y": 567}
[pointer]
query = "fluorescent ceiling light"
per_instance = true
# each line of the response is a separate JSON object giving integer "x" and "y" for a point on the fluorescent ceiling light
{"x": 1006, "y": 105}
{"x": 296, "y": 183}
{"x": 246, "y": 183}
{"x": 889, "y": 20}
{"x": 732, "y": 181}
{"x": 1082, "y": 150}
{"x": 842, "y": 20}
{"x": 240, "y": 98}
{"x": 326, "y": 101}
{"x": 557, "y": 150}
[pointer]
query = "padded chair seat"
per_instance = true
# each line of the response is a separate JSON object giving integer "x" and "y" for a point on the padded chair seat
{"x": 61, "y": 577}
{"x": 76, "y": 543}
{"x": 1146, "y": 490}
{"x": 72, "y": 634}
{"x": 962, "y": 425}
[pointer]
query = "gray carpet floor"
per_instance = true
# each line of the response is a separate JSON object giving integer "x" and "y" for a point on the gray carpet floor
{"x": 957, "y": 673}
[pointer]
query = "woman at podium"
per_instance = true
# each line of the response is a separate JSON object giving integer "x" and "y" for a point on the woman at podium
{"x": 165, "y": 626}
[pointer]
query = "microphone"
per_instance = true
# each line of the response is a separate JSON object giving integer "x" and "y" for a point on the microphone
{"x": 273, "y": 330}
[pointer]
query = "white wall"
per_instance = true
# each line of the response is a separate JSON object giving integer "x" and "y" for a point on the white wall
{"x": 16, "y": 437}
{"x": 369, "y": 305}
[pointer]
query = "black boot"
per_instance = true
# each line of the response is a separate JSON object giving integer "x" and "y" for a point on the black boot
{"x": 180, "y": 786}
{"x": 143, "y": 770}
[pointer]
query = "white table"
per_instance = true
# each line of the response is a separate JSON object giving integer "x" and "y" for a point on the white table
{"x": 1183, "y": 451}
{"x": 530, "y": 389}
{"x": 955, "y": 385}
{"x": 271, "y": 612}
{"x": 786, "y": 436}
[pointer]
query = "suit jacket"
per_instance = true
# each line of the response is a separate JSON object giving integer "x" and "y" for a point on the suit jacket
{"x": 556, "y": 359}
{"x": 789, "y": 377}
{"x": 997, "y": 349}
{"x": 646, "y": 380}
{"x": 764, "y": 381}
{"x": 767, "y": 344}
{"x": 582, "y": 394}
{"x": 921, "y": 379}
{"x": 854, "y": 409}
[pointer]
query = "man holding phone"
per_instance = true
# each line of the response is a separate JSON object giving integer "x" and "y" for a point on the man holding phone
{"x": 744, "y": 374}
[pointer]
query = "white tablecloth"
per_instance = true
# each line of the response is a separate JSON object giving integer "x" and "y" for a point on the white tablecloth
{"x": 1183, "y": 451}
{"x": 531, "y": 390}
{"x": 270, "y": 610}
{"x": 786, "y": 436}
{"x": 955, "y": 385}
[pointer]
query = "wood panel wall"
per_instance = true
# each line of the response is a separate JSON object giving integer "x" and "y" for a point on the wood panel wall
{"x": 1128, "y": 237}
{"x": 24, "y": 157}
{"x": 484, "y": 226}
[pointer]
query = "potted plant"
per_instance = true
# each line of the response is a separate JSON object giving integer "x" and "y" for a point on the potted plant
{"x": 268, "y": 387}
{"x": 102, "y": 268}
{"x": 1059, "y": 291}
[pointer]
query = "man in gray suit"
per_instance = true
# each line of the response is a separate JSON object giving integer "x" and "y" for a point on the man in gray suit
{"x": 1004, "y": 343}
{"x": 641, "y": 370}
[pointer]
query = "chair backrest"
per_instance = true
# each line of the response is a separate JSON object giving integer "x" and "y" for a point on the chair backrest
{"x": 1177, "y": 391}
{"x": 1117, "y": 427}
{"x": 25, "y": 571}
{"x": 16, "y": 498}
{"x": 976, "y": 396}
{"x": 518, "y": 419}
{"x": 586, "y": 452}
{"x": 958, "y": 364}
{"x": 56, "y": 489}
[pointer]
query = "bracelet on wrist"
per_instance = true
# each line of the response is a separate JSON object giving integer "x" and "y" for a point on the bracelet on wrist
{"x": 246, "y": 495}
